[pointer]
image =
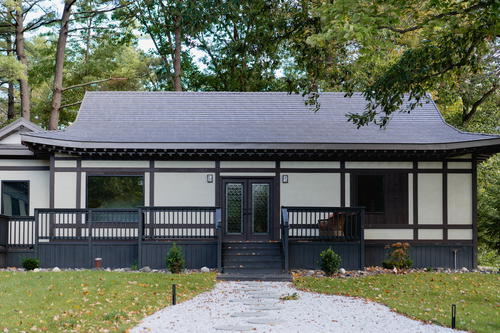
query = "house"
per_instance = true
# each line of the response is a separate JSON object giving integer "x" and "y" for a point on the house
{"x": 241, "y": 181}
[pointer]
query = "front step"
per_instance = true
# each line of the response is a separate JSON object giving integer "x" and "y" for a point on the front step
{"x": 252, "y": 258}
{"x": 254, "y": 277}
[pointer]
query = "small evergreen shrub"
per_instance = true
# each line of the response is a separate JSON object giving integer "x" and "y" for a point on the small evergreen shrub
{"x": 330, "y": 261}
{"x": 30, "y": 264}
{"x": 175, "y": 259}
{"x": 399, "y": 256}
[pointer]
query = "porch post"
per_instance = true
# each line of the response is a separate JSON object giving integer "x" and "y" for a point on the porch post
{"x": 218, "y": 231}
{"x": 139, "y": 237}
{"x": 362, "y": 239}
{"x": 89, "y": 221}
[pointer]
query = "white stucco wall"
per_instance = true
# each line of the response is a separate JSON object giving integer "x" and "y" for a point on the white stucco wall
{"x": 410, "y": 198}
{"x": 311, "y": 189}
{"x": 430, "y": 198}
{"x": 184, "y": 164}
{"x": 65, "y": 190}
{"x": 460, "y": 165}
{"x": 459, "y": 234}
{"x": 115, "y": 164}
{"x": 23, "y": 163}
{"x": 39, "y": 186}
{"x": 379, "y": 165}
{"x": 348, "y": 190}
{"x": 459, "y": 198}
{"x": 430, "y": 234}
{"x": 430, "y": 165}
{"x": 401, "y": 234}
{"x": 309, "y": 165}
{"x": 64, "y": 164}
{"x": 12, "y": 139}
{"x": 183, "y": 189}
{"x": 247, "y": 164}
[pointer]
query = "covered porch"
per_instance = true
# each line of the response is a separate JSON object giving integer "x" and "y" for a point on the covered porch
{"x": 73, "y": 238}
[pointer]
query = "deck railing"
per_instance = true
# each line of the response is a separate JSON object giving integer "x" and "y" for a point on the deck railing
{"x": 334, "y": 224}
{"x": 178, "y": 222}
{"x": 21, "y": 231}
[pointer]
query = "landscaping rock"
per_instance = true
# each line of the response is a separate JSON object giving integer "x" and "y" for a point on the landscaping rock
{"x": 464, "y": 270}
{"x": 145, "y": 269}
{"x": 37, "y": 270}
{"x": 56, "y": 269}
{"x": 342, "y": 271}
{"x": 309, "y": 273}
{"x": 205, "y": 269}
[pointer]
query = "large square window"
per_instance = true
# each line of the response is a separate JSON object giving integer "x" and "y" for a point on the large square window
{"x": 115, "y": 191}
{"x": 371, "y": 193}
{"x": 15, "y": 198}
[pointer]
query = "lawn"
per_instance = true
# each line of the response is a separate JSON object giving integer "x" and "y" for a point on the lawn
{"x": 89, "y": 301}
{"x": 424, "y": 296}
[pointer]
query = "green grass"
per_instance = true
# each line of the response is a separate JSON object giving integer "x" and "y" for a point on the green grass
{"x": 89, "y": 301}
{"x": 424, "y": 296}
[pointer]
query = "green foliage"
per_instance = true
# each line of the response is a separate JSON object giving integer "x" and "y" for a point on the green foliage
{"x": 399, "y": 256}
{"x": 330, "y": 261}
{"x": 175, "y": 259}
{"x": 425, "y": 296}
{"x": 290, "y": 297}
{"x": 391, "y": 48}
{"x": 486, "y": 256}
{"x": 489, "y": 203}
{"x": 11, "y": 69}
{"x": 30, "y": 264}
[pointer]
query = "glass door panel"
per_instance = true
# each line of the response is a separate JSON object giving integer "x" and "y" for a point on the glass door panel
{"x": 234, "y": 208}
{"x": 260, "y": 208}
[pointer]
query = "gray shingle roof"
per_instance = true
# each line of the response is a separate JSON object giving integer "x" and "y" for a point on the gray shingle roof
{"x": 147, "y": 119}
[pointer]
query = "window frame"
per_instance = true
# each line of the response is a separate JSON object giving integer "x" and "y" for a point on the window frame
{"x": 29, "y": 195}
{"x": 114, "y": 174}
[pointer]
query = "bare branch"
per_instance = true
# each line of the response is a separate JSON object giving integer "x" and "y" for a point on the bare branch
{"x": 70, "y": 104}
{"x": 466, "y": 116}
{"x": 94, "y": 82}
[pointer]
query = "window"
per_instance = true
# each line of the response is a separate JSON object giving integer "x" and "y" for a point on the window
{"x": 384, "y": 196}
{"x": 371, "y": 194}
{"x": 115, "y": 191}
{"x": 15, "y": 198}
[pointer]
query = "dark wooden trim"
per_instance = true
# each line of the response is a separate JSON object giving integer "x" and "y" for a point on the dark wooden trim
{"x": 218, "y": 184}
{"x": 445, "y": 199}
{"x": 52, "y": 181}
{"x": 420, "y": 241}
{"x": 415, "y": 199}
{"x": 420, "y": 226}
{"x": 78, "y": 183}
{"x": 277, "y": 203}
{"x": 24, "y": 168}
{"x": 342, "y": 183}
{"x": 474, "y": 211}
{"x": 151, "y": 183}
{"x": 16, "y": 181}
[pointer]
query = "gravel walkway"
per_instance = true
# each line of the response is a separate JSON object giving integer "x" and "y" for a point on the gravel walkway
{"x": 255, "y": 307}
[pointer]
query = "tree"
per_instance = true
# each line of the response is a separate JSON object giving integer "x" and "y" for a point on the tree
{"x": 13, "y": 15}
{"x": 170, "y": 24}
{"x": 420, "y": 43}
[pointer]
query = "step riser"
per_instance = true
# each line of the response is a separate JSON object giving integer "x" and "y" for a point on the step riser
{"x": 251, "y": 253}
{"x": 256, "y": 259}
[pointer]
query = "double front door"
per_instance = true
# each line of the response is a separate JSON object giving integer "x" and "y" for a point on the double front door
{"x": 247, "y": 208}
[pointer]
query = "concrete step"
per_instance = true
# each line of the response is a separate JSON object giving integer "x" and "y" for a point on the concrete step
{"x": 252, "y": 258}
{"x": 273, "y": 276}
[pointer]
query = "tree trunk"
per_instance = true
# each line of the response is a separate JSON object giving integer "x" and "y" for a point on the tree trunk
{"x": 58, "y": 72}
{"x": 11, "y": 113}
{"x": 177, "y": 54}
{"x": 21, "y": 56}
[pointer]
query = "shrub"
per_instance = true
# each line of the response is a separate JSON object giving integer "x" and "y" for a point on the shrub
{"x": 175, "y": 259}
{"x": 399, "y": 256}
{"x": 330, "y": 261}
{"x": 30, "y": 264}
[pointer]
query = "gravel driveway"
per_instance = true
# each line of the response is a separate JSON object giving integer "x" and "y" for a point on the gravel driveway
{"x": 255, "y": 307}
